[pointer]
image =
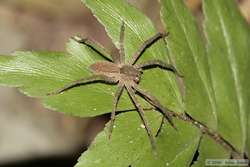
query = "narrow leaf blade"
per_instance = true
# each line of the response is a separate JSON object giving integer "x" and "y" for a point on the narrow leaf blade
{"x": 228, "y": 55}
{"x": 187, "y": 49}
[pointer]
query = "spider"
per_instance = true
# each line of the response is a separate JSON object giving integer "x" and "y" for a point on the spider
{"x": 126, "y": 76}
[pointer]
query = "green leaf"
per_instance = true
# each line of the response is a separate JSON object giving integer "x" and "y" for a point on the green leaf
{"x": 128, "y": 141}
{"x": 248, "y": 136}
{"x": 131, "y": 146}
{"x": 228, "y": 44}
{"x": 176, "y": 147}
{"x": 209, "y": 149}
{"x": 138, "y": 28}
{"x": 187, "y": 48}
{"x": 38, "y": 73}
{"x": 207, "y": 98}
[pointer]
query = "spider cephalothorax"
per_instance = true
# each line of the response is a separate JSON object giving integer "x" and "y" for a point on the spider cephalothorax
{"x": 130, "y": 73}
{"x": 126, "y": 76}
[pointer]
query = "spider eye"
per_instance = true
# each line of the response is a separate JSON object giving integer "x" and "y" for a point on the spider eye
{"x": 137, "y": 79}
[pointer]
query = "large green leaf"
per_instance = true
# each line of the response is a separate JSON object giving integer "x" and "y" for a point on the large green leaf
{"x": 228, "y": 41}
{"x": 138, "y": 28}
{"x": 38, "y": 73}
{"x": 187, "y": 48}
{"x": 186, "y": 45}
{"x": 130, "y": 146}
{"x": 204, "y": 100}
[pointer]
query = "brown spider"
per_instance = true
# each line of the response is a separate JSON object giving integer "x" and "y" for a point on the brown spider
{"x": 127, "y": 76}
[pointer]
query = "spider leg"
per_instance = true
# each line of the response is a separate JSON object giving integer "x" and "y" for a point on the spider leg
{"x": 120, "y": 58}
{"x": 85, "y": 80}
{"x": 161, "y": 125}
{"x": 155, "y": 102}
{"x": 160, "y": 64}
{"x": 146, "y": 45}
{"x": 116, "y": 100}
{"x": 94, "y": 46}
{"x": 131, "y": 93}
{"x": 121, "y": 43}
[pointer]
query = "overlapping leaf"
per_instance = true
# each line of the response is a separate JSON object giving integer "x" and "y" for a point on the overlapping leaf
{"x": 186, "y": 45}
{"x": 228, "y": 40}
{"x": 187, "y": 48}
{"x": 219, "y": 102}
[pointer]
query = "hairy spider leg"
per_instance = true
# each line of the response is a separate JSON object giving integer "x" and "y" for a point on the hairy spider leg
{"x": 119, "y": 59}
{"x": 141, "y": 112}
{"x": 158, "y": 63}
{"x": 85, "y": 80}
{"x": 165, "y": 116}
{"x": 146, "y": 45}
{"x": 161, "y": 125}
{"x": 116, "y": 100}
{"x": 121, "y": 43}
{"x": 155, "y": 102}
{"x": 94, "y": 46}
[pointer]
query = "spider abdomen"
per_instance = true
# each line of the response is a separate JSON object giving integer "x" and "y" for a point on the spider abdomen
{"x": 103, "y": 67}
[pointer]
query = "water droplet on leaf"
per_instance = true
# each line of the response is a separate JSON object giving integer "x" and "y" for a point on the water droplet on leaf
{"x": 142, "y": 126}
